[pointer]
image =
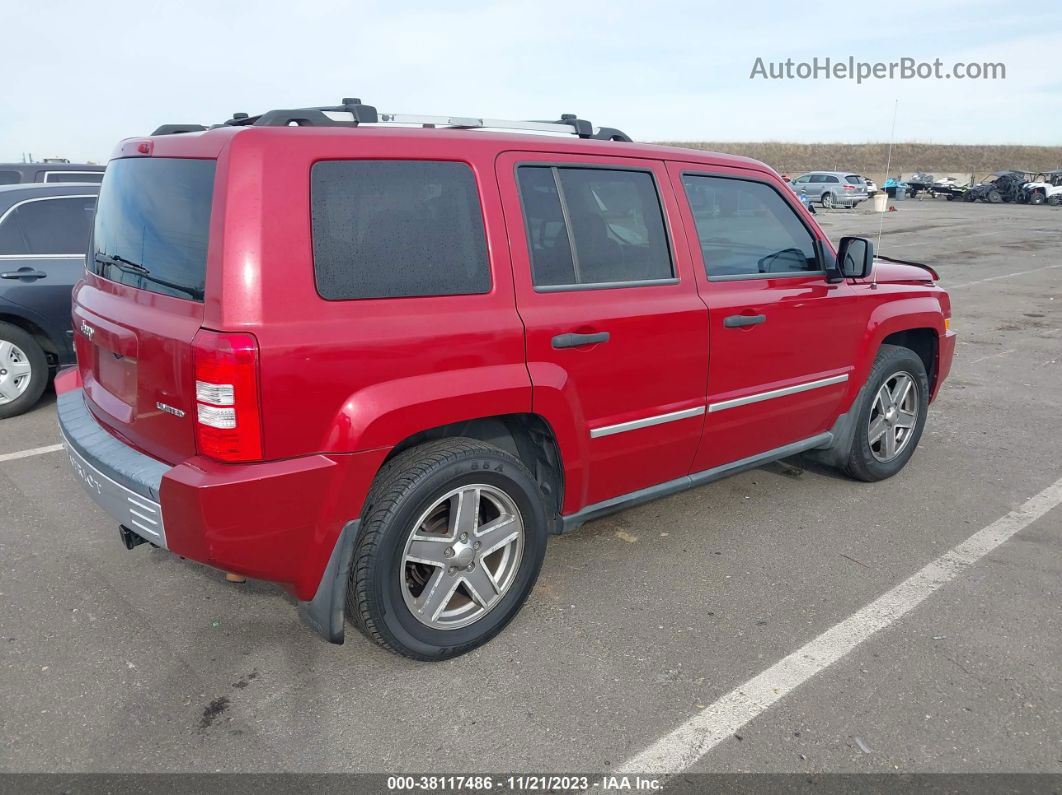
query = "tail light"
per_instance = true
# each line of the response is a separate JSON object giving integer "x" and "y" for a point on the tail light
{"x": 849, "y": 187}
{"x": 228, "y": 420}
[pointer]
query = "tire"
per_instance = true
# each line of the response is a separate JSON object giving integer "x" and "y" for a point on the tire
{"x": 1036, "y": 197}
{"x": 23, "y": 371}
{"x": 413, "y": 502}
{"x": 994, "y": 197}
{"x": 1054, "y": 201}
{"x": 827, "y": 200}
{"x": 950, "y": 197}
{"x": 865, "y": 456}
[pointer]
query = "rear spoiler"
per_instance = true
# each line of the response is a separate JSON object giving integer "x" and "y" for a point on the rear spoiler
{"x": 922, "y": 265}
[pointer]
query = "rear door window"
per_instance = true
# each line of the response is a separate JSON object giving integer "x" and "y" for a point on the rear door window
{"x": 152, "y": 224}
{"x": 747, "y": 229}
{"x": 397, "y": 228}
{"x": 589, "y": 226}
{"x": 48, "y": 226}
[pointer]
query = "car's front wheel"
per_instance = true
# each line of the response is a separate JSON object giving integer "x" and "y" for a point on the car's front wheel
{"x": 451, "y": 543}
{"x": 23, "y": 371}
{"x": 891, "y": 416}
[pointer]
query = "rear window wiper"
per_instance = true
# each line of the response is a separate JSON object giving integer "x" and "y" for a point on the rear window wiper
{"x": 120, "y": 262}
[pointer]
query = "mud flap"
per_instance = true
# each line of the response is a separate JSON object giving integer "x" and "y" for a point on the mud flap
{"x": 324, "y": 613}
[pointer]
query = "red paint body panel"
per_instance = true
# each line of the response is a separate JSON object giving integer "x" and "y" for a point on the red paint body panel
{"x": 343, "y": 382}
{"x": 274, "y": 521}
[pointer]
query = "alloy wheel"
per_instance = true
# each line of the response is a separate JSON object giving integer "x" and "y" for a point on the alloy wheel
{"x": 893, "y": 417}
{"x": 462, "y": 556}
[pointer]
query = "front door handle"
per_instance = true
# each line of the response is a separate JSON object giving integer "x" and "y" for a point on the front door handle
{"x": 743, "y": 321}
{"x": 23, "y": 273}
{"x": 573, "y": 340}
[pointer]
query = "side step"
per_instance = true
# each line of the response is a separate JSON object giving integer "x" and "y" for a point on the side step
{"x": 624, "y": 501}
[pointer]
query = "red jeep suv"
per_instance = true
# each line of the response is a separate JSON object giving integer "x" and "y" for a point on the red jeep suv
{"x": 379, "y": 358}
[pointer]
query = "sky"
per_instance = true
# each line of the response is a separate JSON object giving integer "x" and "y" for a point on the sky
{"x": 80, "y": 76}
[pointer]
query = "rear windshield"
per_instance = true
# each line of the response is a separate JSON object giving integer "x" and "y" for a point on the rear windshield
{"x": 152, "y": 223}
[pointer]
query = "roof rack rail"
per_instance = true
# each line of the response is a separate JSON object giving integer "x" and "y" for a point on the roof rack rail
{"x": 367, "y": 114}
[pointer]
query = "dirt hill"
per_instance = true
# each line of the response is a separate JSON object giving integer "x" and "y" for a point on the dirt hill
{"x": 957, "y": 160}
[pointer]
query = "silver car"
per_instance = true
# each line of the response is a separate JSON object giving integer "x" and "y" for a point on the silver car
{"x": 833, "y": 188}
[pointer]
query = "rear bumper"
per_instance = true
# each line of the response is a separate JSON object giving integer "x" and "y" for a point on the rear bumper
{"x": 290, "y": 521}
{"x": 125, "y": 483}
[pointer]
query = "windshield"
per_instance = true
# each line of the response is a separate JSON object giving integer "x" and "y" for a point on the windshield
{"x": 152, "y": 223}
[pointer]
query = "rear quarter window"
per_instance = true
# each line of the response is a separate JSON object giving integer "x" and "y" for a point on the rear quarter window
{"x": 396, "y": 228}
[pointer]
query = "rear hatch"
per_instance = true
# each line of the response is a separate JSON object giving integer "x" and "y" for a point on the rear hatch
{"x": 141, "y": 304}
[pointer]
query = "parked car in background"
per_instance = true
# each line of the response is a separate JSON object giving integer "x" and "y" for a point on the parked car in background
{"x": 380, "y": 366}
{"x": 44, "y": 234}
{"x": 833, "y": 188}
{"x": 803, "y": 196}
{"x": 18, "y": 173}
{"x": 872, "y": 186}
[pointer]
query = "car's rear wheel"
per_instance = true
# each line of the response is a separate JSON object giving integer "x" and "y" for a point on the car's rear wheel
{"x": 23, "y": 371}
{"x": 1055, "y": 200}
{"x": 891, "y": 416}
{"x": 451, "y": 543}
{"x": 827, "y": 200}
{"x": 1036, "y": 197}
{"x": 994, "y": 197}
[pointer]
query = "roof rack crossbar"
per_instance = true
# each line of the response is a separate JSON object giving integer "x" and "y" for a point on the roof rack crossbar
{"x": 366, "y": 114}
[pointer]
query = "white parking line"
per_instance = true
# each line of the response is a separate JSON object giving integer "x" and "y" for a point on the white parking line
{"x": 996, "y": 278}
{"x": 677, "y": 751}
{"x": 27, "y": 453}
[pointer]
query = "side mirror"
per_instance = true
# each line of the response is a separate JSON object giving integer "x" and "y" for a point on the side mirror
{"x": 855, "y": 257}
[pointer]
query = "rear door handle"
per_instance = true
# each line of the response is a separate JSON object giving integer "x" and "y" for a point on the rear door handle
{"x": 24, "y": 273}
{"x": 572, "y": 340}
{"x": 741, "y": 321}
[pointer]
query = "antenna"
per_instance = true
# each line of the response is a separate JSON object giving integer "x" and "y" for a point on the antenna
{"x": 888, "y": 167}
